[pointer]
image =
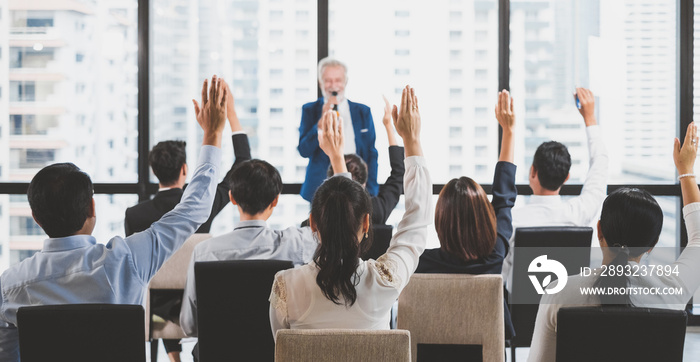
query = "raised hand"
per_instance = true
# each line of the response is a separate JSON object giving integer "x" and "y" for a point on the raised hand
{"x": 407, "y": 122}
{"x": 330, "y": 133}
{"x": 388, "y": 124}
{"x": 211, "y": 116}
{"x": 330, "y": 140}
{"x": 587, "y": 102}
{"x": 684, "y": 157}
{"x": 505, "y": 113}
{"x": 231, "y": 110}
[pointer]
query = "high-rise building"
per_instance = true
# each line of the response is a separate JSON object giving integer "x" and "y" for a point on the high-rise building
{"x": 70, "y": 96}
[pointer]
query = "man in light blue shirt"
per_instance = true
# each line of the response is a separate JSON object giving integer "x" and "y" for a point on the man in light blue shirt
{"x": 255, "y": 187}
{"x": 72, "y": 268}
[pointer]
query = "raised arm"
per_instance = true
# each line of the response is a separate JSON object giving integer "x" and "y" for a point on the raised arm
{"x": 401, "y": 259}
{"x": 330, "y": 139}
{"x": 241, "y": 153}
{"x": 689, "y": 261}
{"x": 684, "y": 158}
{"x": 504, "y": 191}
{"x": 595, "y": 185}
{"x": 390, "y": 192}
{"x": 156, "y": 244}
{"x": 388, "y": 124}
{"x": 506, "y": 119}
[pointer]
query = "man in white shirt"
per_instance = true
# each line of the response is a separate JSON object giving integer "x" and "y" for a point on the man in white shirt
{"x": 550, "y": 170}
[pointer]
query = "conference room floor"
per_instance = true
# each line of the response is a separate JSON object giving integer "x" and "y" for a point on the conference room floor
{"x": 690, "y": 353}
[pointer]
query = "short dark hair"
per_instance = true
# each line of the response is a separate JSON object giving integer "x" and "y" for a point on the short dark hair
{"x": 356, "y": 166}
{"x": 254, "y": 184}
{"x": 465, "y": 220}
{"x": 166, "y": 160}
{"x": 60, "y": 196}
{"x": 552, "y": 162}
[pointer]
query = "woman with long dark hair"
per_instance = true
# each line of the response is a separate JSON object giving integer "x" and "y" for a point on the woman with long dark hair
{"x": 474, "y": 232}
{"x": 339, "y": 290}
{"x": 630, "y": 225}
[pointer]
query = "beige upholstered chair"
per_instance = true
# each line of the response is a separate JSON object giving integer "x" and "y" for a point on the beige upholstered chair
{"x": 455, "y": 309}
{"x": 172, "y": 275}
{"x": 342, "y": 345}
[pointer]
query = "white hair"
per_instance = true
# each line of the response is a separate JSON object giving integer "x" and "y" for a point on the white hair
{"x": 330, "y": 62}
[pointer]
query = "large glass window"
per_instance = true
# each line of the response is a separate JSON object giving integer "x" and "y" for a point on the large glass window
{"x": 625, "y": 52}
{"x": 69, "y": 75}
{"x": 446, "y": 50}
{"x": 266, "y": 51}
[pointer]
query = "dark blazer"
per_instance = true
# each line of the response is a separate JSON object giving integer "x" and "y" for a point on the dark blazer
{"x": 388, "y": 196}
{"x": 504, "y": 194}
{"x": 141, "y": 216}
{"x": 363, "y": 126}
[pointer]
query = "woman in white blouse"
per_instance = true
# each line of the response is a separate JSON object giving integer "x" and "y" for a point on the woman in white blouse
{"x": 338, "y": 289}
{"x": 630, "y": 224}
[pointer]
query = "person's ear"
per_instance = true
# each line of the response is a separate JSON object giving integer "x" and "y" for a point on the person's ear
{"x": 533, "y": 172}
{"x": 366, "y": 224}
{"x": 183, "y": 170}
{"x": 230, "y": 197}
{"x": 36, "y": 221}
{"x": 92, "y": 208}
{"x": 312, "y": 224}
{"x": 567, "y": 177}
{"x": 601, "y": 237}
{"x": 275, "y": 201}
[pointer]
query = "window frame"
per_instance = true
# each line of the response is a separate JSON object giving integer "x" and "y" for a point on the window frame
{"x": 144, "y": 188}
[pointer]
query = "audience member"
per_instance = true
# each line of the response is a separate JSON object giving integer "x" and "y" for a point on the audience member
{"x": 629, "y": 226}
{"x": 338, "y": 290}
{"x": 255, "y": 188}
{"x": 168, "y": 162}
{"x": 357, "y": 124}
{"x": 72, "y": 267}
{"x": 474, "y": 232}
{"x": 550, "y": 169}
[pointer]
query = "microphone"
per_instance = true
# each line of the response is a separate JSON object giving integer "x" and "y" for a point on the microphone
{"x": 335, "y": 106}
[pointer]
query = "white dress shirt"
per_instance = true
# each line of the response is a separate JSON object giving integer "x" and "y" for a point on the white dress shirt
{"x": 544, "y": 339}
{"x": 552, "y": 211}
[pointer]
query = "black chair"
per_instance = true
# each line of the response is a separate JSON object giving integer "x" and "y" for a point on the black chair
{"x": 530, "y": 243}
{"x": 233, "y": 320}
{"x": 380, "y": 242}
{"x": 620, "y": 334}
{"x": 81, "y": 332}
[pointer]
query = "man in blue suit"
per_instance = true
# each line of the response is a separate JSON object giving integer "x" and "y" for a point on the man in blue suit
{"x": 358, "y": 128}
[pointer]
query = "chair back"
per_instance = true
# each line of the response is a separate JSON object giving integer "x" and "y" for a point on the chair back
{"x": 172, "y": 276}
{"x": 620, "y": 334}
{"x": 380, "y": 241}
{"x": 453, "y": 315}
{"x": 342, "y": 345}
{"x": 233, "y": 311}
{"x": 530, "y": 243}
{"x": 81, "y": 332}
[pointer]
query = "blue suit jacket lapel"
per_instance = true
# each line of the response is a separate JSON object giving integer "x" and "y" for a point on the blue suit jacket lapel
{"x": 357, "y": 128}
